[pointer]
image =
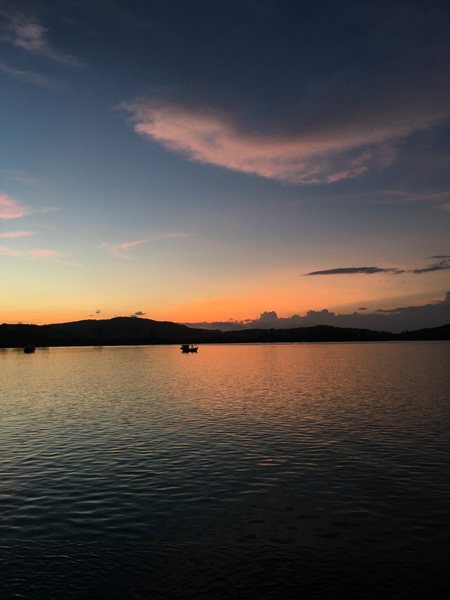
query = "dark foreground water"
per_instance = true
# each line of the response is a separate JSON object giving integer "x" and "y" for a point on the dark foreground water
{"x": 281, "y": 471}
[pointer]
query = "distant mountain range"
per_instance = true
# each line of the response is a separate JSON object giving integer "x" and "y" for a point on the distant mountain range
{"x": 136, "y": 331}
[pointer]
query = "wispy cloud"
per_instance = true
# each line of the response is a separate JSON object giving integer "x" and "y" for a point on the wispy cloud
{"x": 8, "y": 251}
{"x": 118, "y": 249}
{"x": 14, "y": 234}
{"x": 383, "y": 196}
{"x": 24, "y": 178}
{"x": 402, "y": 196}
{"x": 10, "y": 208}
{"x": 40, "y": 254}
{"x": 44, "y": 253}
{"x": 442, "y": 265}
{"x": 334, "y": 131}
{"x": 51, "y": 255}
{"x": 130, "y": 244}
{"x": 356, "y": 270}
{"x": 26, "y": 76}
{"x": 27, "y": 33}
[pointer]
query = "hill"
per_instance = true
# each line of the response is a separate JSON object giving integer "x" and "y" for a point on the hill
{"x": 117, "y": 331}
{"x": 134, "y": 331}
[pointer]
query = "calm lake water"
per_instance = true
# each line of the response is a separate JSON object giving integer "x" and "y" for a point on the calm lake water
{"x": 337, "y": 446}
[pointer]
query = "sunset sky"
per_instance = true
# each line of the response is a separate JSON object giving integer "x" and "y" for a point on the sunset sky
{"x": 206, "y": 160}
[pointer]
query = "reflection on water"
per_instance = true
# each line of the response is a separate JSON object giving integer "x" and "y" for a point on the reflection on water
{"x": 321, "y": 445}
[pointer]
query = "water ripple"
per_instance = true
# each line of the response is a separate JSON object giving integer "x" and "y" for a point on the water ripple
{"x": 329, "y": 445}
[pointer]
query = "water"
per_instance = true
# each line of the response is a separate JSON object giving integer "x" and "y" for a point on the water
{"x": 332, "y": 447}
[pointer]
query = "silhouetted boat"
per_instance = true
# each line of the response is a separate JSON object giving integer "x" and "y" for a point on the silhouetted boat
{"x": 188, "y": 348}
{"x": 29, "y": 349}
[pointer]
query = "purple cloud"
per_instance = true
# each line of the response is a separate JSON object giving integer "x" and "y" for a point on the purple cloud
{"x": 356, "y": 270}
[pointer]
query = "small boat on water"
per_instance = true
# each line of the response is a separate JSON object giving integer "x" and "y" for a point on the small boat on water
{"x": 188, "y": 348}
{"x": 29, "y": 349}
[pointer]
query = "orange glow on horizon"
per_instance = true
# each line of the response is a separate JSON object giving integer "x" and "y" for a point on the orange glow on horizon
{"x": 285, "y": 302}
{"x": 201, "y": 310}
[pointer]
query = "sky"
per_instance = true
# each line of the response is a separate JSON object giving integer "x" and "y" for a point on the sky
{"x": 236, "y": 162}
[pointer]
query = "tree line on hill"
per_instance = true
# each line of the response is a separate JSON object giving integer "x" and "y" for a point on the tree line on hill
{"x": 134, "y": 331}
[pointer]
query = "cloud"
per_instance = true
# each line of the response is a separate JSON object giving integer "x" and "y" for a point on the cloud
{"x": 8, "y": 251}
{"x": 39, "y": 254}
{"x": 118, "y": 249}
{"x": 402, "y": 196}
{"x": 44, "y": 253}
{"x": 13, "y": 234}
{"x": 131, "y": 244}
{"x": 26, "y": 76}
{"x": 52, "y": 256}
{"x": 97, "y": 312}
{"x": 442, "y": 265}
{"x": 27, "y": 33}
{"x": 335, "y": 129}
{"x": 395, "y": 320}
{"x": 10, "y": 208}
{"x": 24, "y": 178}
{"x": 356, "y": 270}
{"x": 139, "y": 313}
{"x": 344, "y": 114}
